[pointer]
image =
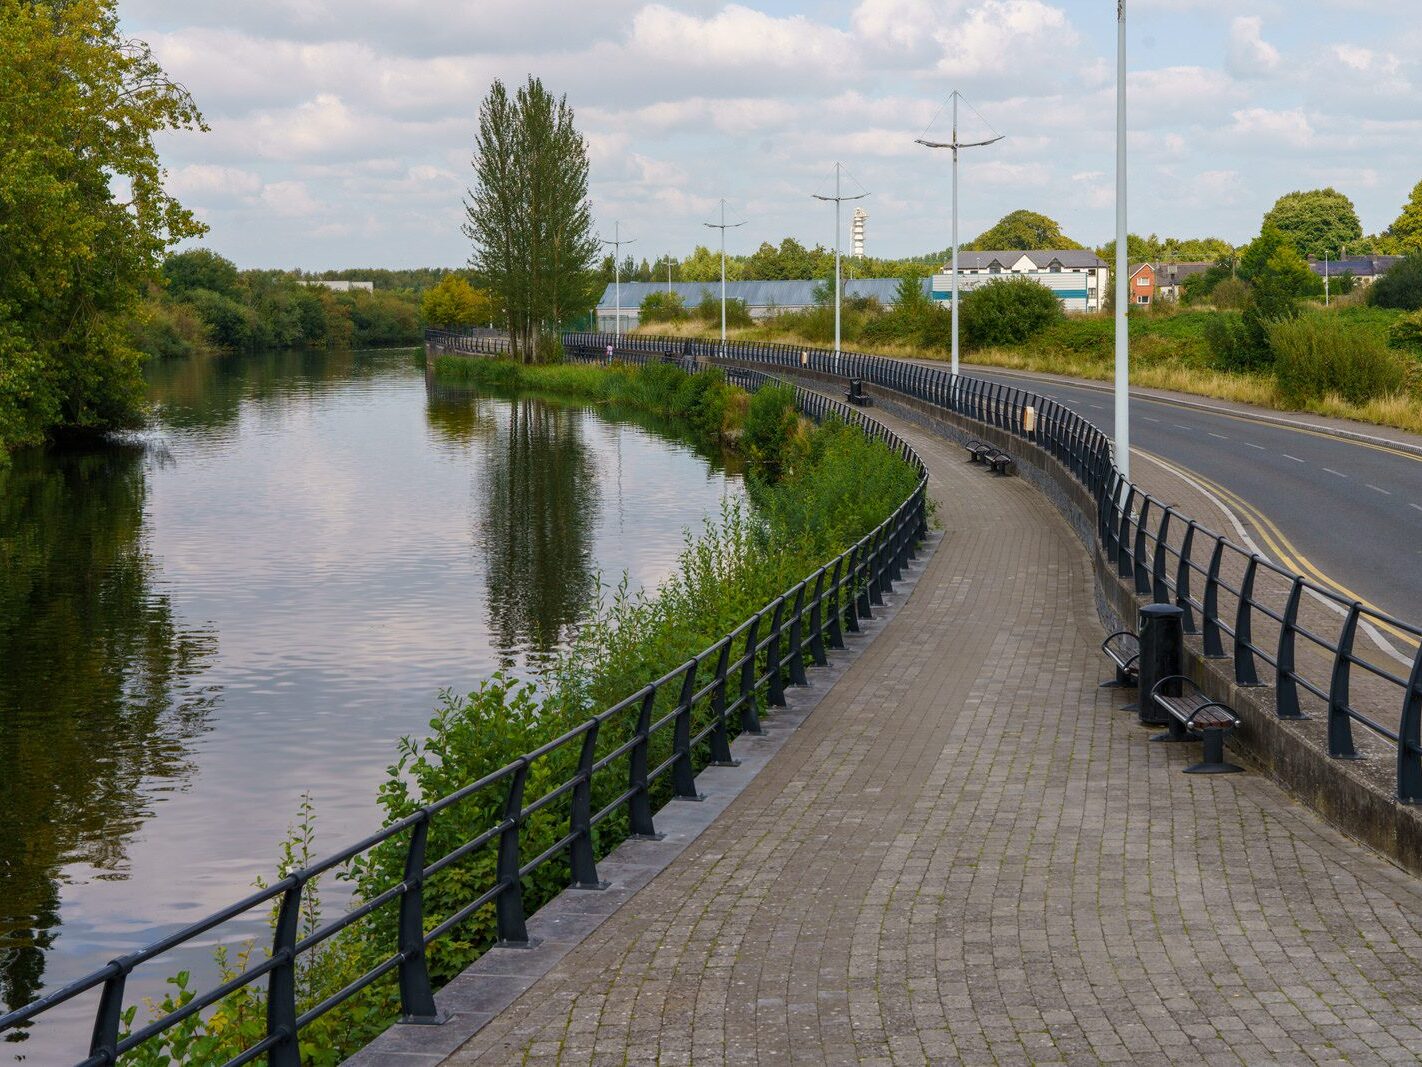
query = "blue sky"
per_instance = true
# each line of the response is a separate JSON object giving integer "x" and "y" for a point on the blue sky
{"x": 342, "y": 129}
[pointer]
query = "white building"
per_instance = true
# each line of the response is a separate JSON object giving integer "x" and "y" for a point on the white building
{"x": 856, "y": 232}
{"x": 341, "y": 286}
{"x": 1079, "y": 277}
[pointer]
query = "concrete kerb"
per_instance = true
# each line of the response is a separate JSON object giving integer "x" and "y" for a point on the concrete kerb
{"x": 501, "y": 975}
{"x": 1358, "y": 797}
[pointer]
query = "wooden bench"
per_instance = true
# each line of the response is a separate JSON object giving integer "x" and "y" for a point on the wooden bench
{"x": 856, "y": 395}
{"x": 989, "y": 456}
{"x": 1192, "y": 713}
{"x": 1123, "y": 648}
{"x": 1001, "y": 463}
{"x": 978, "y": 452}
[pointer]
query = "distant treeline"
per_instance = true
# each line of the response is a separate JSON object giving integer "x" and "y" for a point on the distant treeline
{"x": 205, "y": 304}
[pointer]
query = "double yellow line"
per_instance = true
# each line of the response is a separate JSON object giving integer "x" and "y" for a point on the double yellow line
{"x": 1284, "y": 552}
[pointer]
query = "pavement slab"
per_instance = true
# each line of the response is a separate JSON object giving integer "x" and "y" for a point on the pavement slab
{"x": 968, "y": 853}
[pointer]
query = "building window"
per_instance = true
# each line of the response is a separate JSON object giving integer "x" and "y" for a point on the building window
{"x": 1142, "y": 299}
{"x": 994, "y": 269}
{"x": 1143, "y": 281}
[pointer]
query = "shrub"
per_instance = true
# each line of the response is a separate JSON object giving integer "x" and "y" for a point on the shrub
{"x": 709, "y": 311}
{"x": 1230, "y": 295}
{"x": 1228, "y": 342}
{"x": 772, "y": 431}
{"x": 1400, "y": 287}
{"x": 1008, "y": 312}
{"x": 1318, "y": 355}
{"x": 1406, "y": 333}
{"x": 665, "y": 307}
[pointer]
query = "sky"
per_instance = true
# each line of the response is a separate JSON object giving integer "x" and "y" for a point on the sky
{"x": 342, "y": 130}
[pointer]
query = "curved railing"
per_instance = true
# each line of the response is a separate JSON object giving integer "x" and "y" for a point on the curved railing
{"x": 1242, "y": 605}
{"x": 605, "y": 769}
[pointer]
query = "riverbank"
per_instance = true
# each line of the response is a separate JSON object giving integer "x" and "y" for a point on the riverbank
{"x": 1168, "y": 351}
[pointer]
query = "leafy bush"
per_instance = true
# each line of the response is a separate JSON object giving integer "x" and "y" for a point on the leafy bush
{"x": 773, "y": 436}
{"x": 1231, "y": 294}
{"x": 1400, "y": 287}
{"x": 1008, "y": 312}
{"x": 709, "y": 311}
{"x": 665, "y": 307}
{"x": 1406, "y": 333}
{"x": 1317, "y": 355}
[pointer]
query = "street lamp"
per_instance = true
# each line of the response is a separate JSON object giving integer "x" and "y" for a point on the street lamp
{"x": 1123, "y": 337}
{"x": 955, "y": 144}
{"x": 837, "y": 199}
{"x": 617, "y": 244}
{"x": 723, "y": 226}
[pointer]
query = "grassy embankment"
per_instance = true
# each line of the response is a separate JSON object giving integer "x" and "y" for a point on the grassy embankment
{"x": 815, "y": 489}
{"x": 1168, "y": 351}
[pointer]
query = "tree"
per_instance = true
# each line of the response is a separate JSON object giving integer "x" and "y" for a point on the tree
{"x": 1024, "y": 230}
{"x": 1317, "y": 222}
{"x": 453, "y": 303}
{"x": 1270, "y": 259}
{"x": 1400, "y": 287}
{"x": 1407, "y": 230}
{"x": 661, "y": 306}
{"x": 84, "y": 217}
{"x": 200, "y": 268}
{"x": 528, "y": 214}
{"x": 1008, "y": 312}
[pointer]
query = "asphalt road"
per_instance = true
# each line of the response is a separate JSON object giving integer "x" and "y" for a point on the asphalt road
{"x": 1349, "y": 510}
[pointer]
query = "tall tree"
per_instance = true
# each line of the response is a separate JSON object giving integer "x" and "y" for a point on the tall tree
{"x": 1025, "y": 231}
{"x": 84, "y": 217}
{"x": 1317, "y": 222}
{"x": 528, "y": 214}
{"x": 1407, "y": 230}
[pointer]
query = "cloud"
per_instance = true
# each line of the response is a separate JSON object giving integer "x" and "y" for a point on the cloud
{"x": 1249, "y": 55}
{"x": 1260, "y": 125}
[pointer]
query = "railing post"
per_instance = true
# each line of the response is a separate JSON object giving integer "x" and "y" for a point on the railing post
{"x": 1409, "y": 738}
{"x": 417, "y": 1003}
{"x": 1340, "y": 725}
{"x": 774, "y": 662}
{"x": 1214, "y": 646}
{"x": 281, "y": 981}
{"x": 1160, "y": 592}
{"x": 104, "y": 1039}
{"x": 683, "y": 773}
{"x": 1125, "y": 566}
{"x": 1142, "y": 573}
{"x": 1182, "y": 578}
{"x": 817, "y": 620}
{"x": 508, "y": 905}
{"x": 1244, "y": 671}
{"x": 720, "y": 737}
{"x": 797, "y": 638}
{"x": 639, "y": 804}
{"x": 878, "y": 580}
{"x": 582, "y": 859}
{"x": 750, "y": 715}
{"x": 1286, "y": 702}
{"x": 836, "y": 635}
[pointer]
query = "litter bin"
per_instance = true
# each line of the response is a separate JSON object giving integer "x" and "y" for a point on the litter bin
{"x": 1162, "y": 635}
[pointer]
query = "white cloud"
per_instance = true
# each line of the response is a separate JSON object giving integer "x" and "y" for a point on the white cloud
{"x": 1260, "y": 125}
{"x": 1249, "y": 55}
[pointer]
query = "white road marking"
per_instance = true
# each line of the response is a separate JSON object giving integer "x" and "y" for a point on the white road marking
{"x": 1221, "y": 436}
{"x": 1330, "y": 470}
{"x": 1149, "y": 419}
{"x": 1251, "y": 444}
{"x": 1417, "y": 506}
{"x": 1294, "y": 458}
{"x": 1378, "y": 489}
{"x": 1182, "y": 426}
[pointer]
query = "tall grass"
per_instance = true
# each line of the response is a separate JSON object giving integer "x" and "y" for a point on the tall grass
{"x": 815, "y": 489}
{"x": 1317, "y": 356}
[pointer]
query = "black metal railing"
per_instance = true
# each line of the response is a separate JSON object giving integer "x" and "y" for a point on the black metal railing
{"x": 602, "y": 772}
{"x": 1310, "y": 632}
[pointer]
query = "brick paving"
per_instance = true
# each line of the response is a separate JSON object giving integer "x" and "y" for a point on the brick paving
{"x": 969, "y": 854}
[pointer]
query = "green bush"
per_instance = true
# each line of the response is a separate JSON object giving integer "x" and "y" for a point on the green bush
{"x": 1317, "y": 355}
{"x": 1406, "y": 333}
{"x": 663, "y": 307}
{"x": 1231, "y": 294}
{"x": 1007, "y": 312}
{"x": 1400, "y": 287}
{"x": 709, "y": 311}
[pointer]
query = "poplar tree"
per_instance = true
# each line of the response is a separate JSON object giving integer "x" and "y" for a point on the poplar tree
{"x": 528, "y": 214}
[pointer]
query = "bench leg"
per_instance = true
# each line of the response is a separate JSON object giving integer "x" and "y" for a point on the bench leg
{"x": 1121, "y": 681}
{"x": 1176, "y": 732}
{"x": 1213, "y": 761}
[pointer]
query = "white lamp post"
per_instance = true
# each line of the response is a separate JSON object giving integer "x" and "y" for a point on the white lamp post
{"x": 955, "y": 144}
{"x": 617, "y": 244}
{"x": 723, "y": 226}
{"x": 837, "y": 199}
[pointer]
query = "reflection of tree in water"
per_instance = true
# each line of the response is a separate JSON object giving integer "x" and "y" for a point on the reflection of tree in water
{"x": 94, "y": 686}
{"x": 539, "y": 512}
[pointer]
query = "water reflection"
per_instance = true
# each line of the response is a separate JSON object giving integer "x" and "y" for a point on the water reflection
{"x": 96, "y": 692}
{"x": 536, "y": 531}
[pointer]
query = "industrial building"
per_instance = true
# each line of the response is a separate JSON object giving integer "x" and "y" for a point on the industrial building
{"x": 762, "y": 299}
{"x": 1079, "y": 277}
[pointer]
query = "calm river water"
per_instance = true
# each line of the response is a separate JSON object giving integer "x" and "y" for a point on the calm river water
{"x": 255, "y": 599}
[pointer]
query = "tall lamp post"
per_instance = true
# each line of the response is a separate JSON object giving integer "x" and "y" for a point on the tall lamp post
{"x": 723, "y": 226}
{"x": 837, "y": 199}
{"x": 955, "y": 145}
{"x": 617, "y": 244}
{"x": 1123, "y": 336}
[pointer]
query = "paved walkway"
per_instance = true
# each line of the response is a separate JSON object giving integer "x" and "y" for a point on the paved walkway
{"x": 969, "y": 854}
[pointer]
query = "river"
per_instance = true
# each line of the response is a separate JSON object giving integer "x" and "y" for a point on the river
{"x": 256, "y": 598}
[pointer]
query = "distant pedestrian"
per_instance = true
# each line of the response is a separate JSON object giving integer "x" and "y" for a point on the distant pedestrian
{"x": 609, "y": 353}
{"x": 804, "y": 358}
